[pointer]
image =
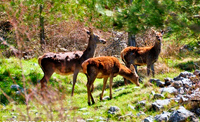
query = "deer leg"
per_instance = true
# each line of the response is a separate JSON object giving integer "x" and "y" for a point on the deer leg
{"x": 104, "y": 86}
{"x": 46, "y": 78}
{"x": 111, "y": 80}
{"x": 74, "y": 81}
{"x": 152, "y": 69}
{"x": 125, "y": 80}
{"x": 90, "y": 82}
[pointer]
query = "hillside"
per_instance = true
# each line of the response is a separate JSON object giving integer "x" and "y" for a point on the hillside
{"x": 29, "y": 29}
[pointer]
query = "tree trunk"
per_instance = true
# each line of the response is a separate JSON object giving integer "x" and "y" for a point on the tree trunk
{"x": 42, "y": 36}
{"x": 131, "y": 39}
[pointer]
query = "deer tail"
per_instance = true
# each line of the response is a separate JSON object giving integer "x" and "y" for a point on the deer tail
{"x": 84, "y": 67}
{"x": 40, "y": 61}
{"x": 122, "y": 56}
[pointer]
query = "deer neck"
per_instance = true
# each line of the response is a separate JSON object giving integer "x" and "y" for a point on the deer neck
{"x": 89, "y": 52}
{"x": 125, "y": 72}
{"x": 157, "y": 46}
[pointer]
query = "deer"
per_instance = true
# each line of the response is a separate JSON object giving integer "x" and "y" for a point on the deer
{"x": 65, "y": 63}
{"x": 139, "y": 56}
{"x": 106, "y": 67}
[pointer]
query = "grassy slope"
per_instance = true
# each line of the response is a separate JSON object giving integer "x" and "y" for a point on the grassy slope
{"x": 62, "y": 106}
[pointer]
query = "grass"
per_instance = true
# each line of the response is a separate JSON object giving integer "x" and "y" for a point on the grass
{"x": 59, "y": 105}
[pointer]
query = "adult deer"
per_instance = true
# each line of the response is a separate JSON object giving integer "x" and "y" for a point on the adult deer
{"x": 105, "y": 67}
{"x": 68, "y": 62}
{"x": 143, "y": 55}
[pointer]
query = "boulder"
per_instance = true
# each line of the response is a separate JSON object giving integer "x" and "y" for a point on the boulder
{"x": 181, "y": 115}
{"x": 157, "y": 82}
{"x": 159, "y": 104}
{"x": 164, "y": 117}
{"x": 169, "y": 89}
{"x": 168, "y": 81}
{"x": 113, "y": 110}
{"x": 148, "y": 119}
{"x": 158, "y": 96}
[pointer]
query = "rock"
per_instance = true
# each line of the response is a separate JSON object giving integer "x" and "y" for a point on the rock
{"x": 83, "y": 109}
{"x": 157, "y": 96}
{"x": 106, "y": 98}
{"x": 187, "y": 83}
{"x": 159, "y": 104}
{"x": 178, "y": 78}
{"x": 119, "y": 89}
{"x": 181, "y": 115}
{"x": 131, "y": 107}
{"x": 168, "y": 81}
{"x": 170, "y": 90}
{"x": 196, "y": 72}
{"x": 185, "y": 74}
{"x": 140, "y": 104}
{"x": 197, "y": 111}
{"x": 113, "y": 109}
{"x": 140, "y": 113}
{"x": 177, "y": 84}
{"x": 130, "y": 114}
{"x": 148, "y": 119}
{"x": 164, "y": 117}
{"x": 157, "y": 82}
{"x": 181, "y": 90}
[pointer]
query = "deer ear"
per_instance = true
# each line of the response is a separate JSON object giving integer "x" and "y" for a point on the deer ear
{"x": 153, "y": 30}
{"x": 132, "y": 68}
{"x": 162, "y": 32}
{"x": 90, "y": 29}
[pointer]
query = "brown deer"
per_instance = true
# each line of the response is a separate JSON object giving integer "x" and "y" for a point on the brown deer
{"x": 143, "y": 55}
{"x": 105, "y": 67}
{"x": 68, "y": 62}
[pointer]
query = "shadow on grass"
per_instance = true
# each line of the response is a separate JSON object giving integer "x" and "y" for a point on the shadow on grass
{"x": 189, "y": 65}
{"x": 116, "y": 84}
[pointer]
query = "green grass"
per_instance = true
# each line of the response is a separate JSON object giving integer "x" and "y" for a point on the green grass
{"x": 61, "y": 106}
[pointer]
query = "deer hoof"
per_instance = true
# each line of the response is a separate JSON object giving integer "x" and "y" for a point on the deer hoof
{"x": 89, "y": 103}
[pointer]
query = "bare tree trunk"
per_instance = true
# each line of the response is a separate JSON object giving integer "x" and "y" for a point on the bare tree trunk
{"x": 42, "y": 36}
{"x": 131, "y": 39}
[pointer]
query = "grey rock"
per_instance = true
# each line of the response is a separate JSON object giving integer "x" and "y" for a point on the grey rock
{"x": 197, "y": 111}
{"x": 196, "y": 72}
{"x": 140, "y": 113}
{"x": 181, "y": 115}
{"x": 157, "y": 82}
{"x": 119, "y": 89}
{"x": 158, "y": 96}
{"x": 187, "y": 83}
{"x": 159, "y": 104}
{"x": 162, "y": 117}
{"x": 178, "y": 78}
{"x": 148, "y": 119}
{"x": 177, "y": 84}
{"x": 181, "y": 90}
{"x": 106, "y": 98}
{"x": 168, "y": 81}
{"x": 185, "y": 74}
{"x": 170, "y": 90}
{"x": 133, "y": 108}
{"x": 140, "y": 104}
{"x": 113, "y": 109}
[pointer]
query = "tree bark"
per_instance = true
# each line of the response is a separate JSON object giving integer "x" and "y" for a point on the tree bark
{"x": 42, "y": 35}
{"x": 131, "y": 39}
